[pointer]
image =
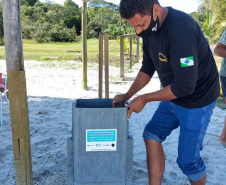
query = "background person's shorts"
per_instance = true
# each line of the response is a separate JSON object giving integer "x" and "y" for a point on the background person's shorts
{"x": 223, "y": 85}
{"x": 193, "y": 124}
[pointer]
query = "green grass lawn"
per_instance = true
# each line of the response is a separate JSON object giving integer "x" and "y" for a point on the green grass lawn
{"x": 71, "y": 51}
{"x": 57, "y": 51}
{"x": 66, "y": 51}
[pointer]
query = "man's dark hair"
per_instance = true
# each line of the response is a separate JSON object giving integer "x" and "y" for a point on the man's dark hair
{"x": 128, "y": 8}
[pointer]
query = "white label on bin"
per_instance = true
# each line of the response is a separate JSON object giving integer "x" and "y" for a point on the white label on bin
{"x": 101, "y": 140}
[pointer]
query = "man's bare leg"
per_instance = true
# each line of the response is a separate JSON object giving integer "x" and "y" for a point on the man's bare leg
{"x": 223, "y": 134}
{"x": 199, "y": 182}
{"x": 155, "y": 161}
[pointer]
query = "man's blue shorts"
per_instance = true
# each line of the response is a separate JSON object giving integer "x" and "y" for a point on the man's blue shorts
{"x": 193, "y": 124}
{"x": 223, "y": 85}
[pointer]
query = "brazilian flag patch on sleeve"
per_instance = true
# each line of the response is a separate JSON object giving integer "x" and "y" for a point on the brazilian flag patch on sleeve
{"x": 186, "y": 62}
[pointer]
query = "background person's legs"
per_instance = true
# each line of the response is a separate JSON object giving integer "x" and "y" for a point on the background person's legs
{"x": 223, "y": 134}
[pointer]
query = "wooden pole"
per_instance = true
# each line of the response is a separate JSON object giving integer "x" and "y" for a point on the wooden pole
{"x": 121, "y": 56}
{"x": 84, "y": 43}
{"x": 138, "y": 48}
{"x": 106, "y": 65}
{"x": 17, "y": 91}
{"x": 100, "y": 64}
{"x": 130, "y": 52}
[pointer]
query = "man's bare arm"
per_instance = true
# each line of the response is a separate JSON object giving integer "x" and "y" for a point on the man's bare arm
{"x": 220, "y": 50}
{"x": 139, "y": 102}
{"x": 139, "y": 83}
{"x": 161, "y": 95}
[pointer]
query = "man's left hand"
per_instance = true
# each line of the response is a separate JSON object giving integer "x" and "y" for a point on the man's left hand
{"x": 136, "y": 105}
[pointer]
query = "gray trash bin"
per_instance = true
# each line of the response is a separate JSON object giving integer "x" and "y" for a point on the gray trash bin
{"x": 100, "y": 151}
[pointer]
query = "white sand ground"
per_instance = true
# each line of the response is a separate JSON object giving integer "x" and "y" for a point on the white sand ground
{"x": 51, "y": 89}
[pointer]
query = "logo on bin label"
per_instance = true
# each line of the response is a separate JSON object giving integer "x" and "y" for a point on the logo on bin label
{"x": 101, "y": 140}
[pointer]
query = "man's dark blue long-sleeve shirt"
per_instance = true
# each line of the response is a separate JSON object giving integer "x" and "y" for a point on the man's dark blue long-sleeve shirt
{"x": 182, "y": 58}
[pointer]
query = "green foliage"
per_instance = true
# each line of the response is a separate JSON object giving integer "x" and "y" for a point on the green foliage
{"x": 72, "y": 15}
{"x": 211, "y": 17}
{"x": 48, "y": 22}
{"x": 114, "y": 30}
{"x": 200, "y": 15}
{"x": 92, "y": 34}
{"x": 126, "y": 45}
{"x": 27, "y": 11}
{"x": 59, "y": 33}
{"x": 99, "y": 18}
{"x": 24, "y": 3}
{"x": 28, "y": 2}
{"x": 104, "y": 17}
{"x": 73, "y": 21}
{"x": 102, "y": 4}
{"x": 207, "y": 25}
{"x": 70, "y": 3}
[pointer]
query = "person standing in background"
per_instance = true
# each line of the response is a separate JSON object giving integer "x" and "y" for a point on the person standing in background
{"x": 220, "y": 50}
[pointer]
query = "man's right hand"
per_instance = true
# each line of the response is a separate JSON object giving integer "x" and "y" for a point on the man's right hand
{"x": 119, "y": 98}
{"x": 141, "y": 81}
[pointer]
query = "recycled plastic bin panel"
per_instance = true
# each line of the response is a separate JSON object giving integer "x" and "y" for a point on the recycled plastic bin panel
{"x": 99, "y": 166}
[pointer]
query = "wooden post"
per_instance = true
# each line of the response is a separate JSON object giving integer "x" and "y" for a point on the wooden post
{"x": 84, "y": 43}
{"x": 100, "y": 64}
{"x": 138, "y": 48}
{"x": 130, "y": 52}
{"x": 17, "y": 91}
{"x": 106, "y": 65}
{"x": 121, "y": 56}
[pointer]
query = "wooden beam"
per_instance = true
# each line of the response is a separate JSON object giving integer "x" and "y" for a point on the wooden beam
{"x": 100, "y": 64}
{"x": 129, "y": 35}
{"x": 121, "y": 56}
{"x": 138, "y": 48}
{"x": 131, "y": 52}
{"x": 106, "y": 58}
{"x": 84, "y": 44}
{"x": 17, "y": 91}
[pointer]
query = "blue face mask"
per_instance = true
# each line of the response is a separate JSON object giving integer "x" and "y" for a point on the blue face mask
{"x": 152, "y": 29}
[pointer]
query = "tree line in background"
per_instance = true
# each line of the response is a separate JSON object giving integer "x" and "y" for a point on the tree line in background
{"x": 211, "y": 16}
{"x": 49, "y": 22}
